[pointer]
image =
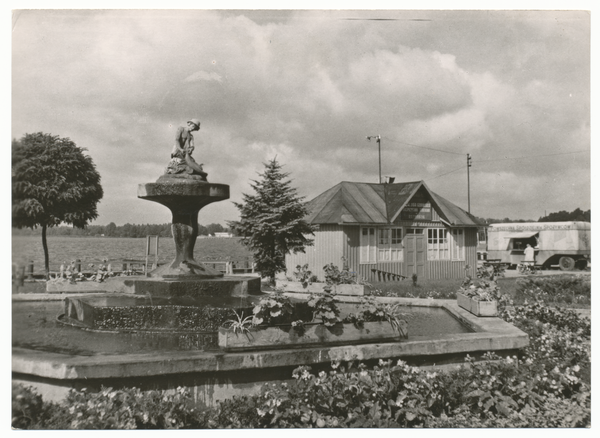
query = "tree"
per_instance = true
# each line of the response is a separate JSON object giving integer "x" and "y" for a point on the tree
{"x": 53, "y": 181}
{"x": 272, "y": 221}
{"x": 564, "y": 216}
{"x": 110, "y": 230}
{"x": 214, "y": 228}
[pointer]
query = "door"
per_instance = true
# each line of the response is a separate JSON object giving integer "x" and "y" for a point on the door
{"x": 414, "y": 242}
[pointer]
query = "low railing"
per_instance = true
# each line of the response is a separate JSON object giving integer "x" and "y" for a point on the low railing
{"x": 131, "y": 266}
{"x": 387, "y": 276}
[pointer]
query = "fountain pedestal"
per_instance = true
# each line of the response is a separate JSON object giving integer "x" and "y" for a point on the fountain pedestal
{"x": 185, "y": 196}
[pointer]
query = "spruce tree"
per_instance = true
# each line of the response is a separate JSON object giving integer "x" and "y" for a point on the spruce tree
{"x": 272, "y": 221}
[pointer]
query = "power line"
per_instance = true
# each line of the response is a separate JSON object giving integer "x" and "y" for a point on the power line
{"x": 422, "y": 147}
{"x": 529, "y": 156}
{"x": 452, "y": 171}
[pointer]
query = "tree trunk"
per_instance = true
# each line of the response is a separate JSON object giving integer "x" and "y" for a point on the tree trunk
{"x": 46, "y": 257}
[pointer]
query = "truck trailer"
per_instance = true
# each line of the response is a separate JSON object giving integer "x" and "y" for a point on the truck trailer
{"x": 567, "y": 245}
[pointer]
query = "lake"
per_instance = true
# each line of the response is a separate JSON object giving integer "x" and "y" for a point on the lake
{"x": 94, "y": 249}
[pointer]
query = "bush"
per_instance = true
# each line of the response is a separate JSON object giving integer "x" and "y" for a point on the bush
{"x": 128, "y": 408}
{"x": 547, "y": 385}
{"x": 333, "y": 275}
{"x": 303, "y": 275}
{"x": 556, "y": 289}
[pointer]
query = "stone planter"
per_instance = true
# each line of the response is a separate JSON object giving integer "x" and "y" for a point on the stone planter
{"x": 476, "y": 307}
{"x": 314, "y": 333}
{"x": 338, "y": 289}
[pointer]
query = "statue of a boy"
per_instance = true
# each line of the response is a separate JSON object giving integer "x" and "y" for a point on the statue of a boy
{"x": 181, "y": 155}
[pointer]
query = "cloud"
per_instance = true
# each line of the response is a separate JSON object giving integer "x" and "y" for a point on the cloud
{"x": 203, "y": 76}
{"x": 309, "y": 86}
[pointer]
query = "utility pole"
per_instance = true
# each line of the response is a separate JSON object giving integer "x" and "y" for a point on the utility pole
{"x": 378, "y": 138}
{"x": 469, "y": 182}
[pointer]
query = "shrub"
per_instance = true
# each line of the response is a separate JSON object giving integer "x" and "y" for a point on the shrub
{"x": 128, "y": 408}
{"x": 547, "y": 385}
{"x": 324, "y": 308}
{"x": 556, "y": 289}
{"x": 303, "y": 275}
{"x": 273, "y": 309}
{"x": 29, "y": 411}
{"x": 333, "y": 275}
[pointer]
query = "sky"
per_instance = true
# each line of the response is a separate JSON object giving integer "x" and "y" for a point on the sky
{"x": 307, "y": 87}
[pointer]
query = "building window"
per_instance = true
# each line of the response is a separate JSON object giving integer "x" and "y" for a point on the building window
{"x": 458, "y": 245}
{"x": 437, "y": 244}
{"x": 368, "y": 245}
{"x": 390, "y": 245}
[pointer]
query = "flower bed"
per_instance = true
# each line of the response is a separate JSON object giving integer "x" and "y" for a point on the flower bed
{"x": 337, "y": 289}
{"x": 309, "y": 334}
{"x": 277, "y": 322}
{"x": 480, "y": 299}
{"x": 477, "y": 307}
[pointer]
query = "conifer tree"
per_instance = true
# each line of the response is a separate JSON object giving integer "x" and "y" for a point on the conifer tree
{"x": 272, "y": 221}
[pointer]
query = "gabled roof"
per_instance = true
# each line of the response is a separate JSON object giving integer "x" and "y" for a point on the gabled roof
{"x": 366, "y": 203}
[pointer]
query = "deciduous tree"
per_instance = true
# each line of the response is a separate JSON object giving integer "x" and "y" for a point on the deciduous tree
{"x": 53, "y": 181}
{"x": 272, "y": 221}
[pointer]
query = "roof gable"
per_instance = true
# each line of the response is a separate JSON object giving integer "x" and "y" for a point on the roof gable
{"x": 367, "y": 203}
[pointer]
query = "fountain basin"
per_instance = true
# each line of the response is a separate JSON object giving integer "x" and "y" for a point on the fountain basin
{"x": 214, "y": 375}
{"x": 126, "y": 312}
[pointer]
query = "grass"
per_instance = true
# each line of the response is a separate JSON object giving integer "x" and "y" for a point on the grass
{"x": 447, "y": 288}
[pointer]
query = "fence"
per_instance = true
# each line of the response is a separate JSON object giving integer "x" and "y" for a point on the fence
{"x": 118, "y": 266}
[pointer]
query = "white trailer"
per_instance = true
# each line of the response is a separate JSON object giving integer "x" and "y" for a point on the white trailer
{"x": 563, "y": 244}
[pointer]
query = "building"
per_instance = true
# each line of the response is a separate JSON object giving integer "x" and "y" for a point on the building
{"x": 389, "y": 231}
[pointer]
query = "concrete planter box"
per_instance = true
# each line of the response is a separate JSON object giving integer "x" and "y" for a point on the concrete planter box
{"x": 338, "y": 289}
{"x": 477, "y": 308}
{"x": 314, "y": 334}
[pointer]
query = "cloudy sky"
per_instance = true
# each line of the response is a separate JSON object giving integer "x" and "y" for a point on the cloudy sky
{"x": 511, "y": 88}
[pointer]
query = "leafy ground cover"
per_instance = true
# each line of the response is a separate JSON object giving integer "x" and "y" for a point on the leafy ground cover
{"x": 573, "y": 291}
{"x": 547, "y": 385}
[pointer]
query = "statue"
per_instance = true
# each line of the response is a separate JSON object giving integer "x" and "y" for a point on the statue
{"x": 182, "y": 162}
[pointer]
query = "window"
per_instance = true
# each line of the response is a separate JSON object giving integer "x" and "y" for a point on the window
{"x": 458, "y": 245}
{"x": 368, "y": 245}
{"x": 521, "y": 243}
{"x": 437, "y": 244}
{"x": 390, "y": 245}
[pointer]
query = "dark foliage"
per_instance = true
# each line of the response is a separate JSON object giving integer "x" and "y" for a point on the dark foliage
{"x": 53, "y": 182}
{"x": 272, "y": 221}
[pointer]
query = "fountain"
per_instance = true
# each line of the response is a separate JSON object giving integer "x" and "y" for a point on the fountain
{"x": 185, "y": 297}
{"x": 160, "y": 331}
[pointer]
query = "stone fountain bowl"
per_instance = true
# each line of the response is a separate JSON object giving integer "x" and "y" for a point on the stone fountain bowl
{"x": 126, "y": 313}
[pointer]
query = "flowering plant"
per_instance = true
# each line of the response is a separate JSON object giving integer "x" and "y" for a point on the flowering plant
{"x": 273, "y": 309}
{"x": 324, "y": 308}
{"x": 482, "y": 291}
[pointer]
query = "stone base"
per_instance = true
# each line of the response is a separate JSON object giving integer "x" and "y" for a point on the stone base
{"x": 189, "y": 271}
{"x": 213, "y": 287}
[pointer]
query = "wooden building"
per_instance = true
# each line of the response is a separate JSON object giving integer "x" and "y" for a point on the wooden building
{"x": 389, "y": 231}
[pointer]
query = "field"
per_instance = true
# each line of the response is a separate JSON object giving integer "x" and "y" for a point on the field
{"x": 92, "y": 250}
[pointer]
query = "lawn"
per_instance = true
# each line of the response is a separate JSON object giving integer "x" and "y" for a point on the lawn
{"x": 564, "y": 290}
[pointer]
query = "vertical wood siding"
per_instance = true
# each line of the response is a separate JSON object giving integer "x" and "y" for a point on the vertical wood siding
{"x": 365, "y": 271}
{"x": 439, "y": 269}
{"x": 327, "y": 248}
{"x": 332, "y": 242}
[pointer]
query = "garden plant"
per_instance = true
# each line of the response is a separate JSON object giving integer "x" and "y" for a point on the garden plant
{"x": 546, "y": 385}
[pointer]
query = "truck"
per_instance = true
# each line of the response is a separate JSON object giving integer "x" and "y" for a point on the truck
{"x": 567, "y": 245}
